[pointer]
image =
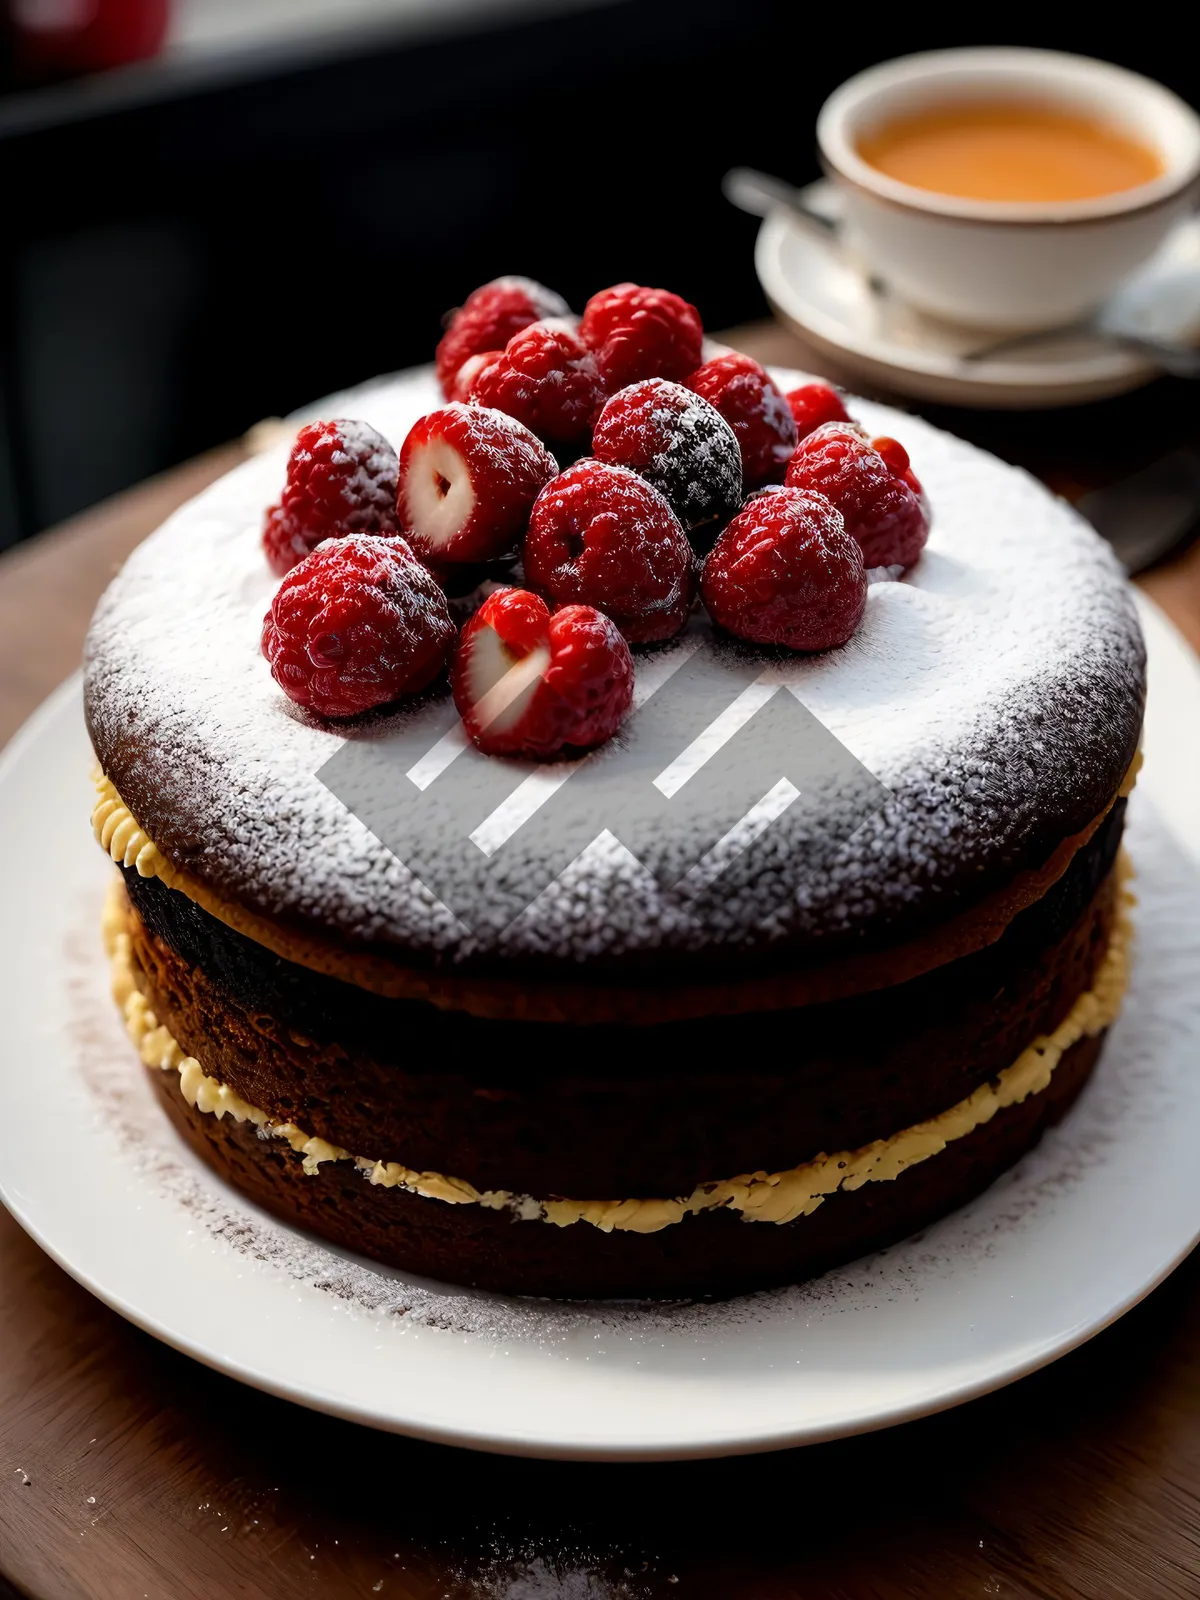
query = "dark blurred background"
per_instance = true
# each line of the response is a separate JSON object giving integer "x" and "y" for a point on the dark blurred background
{"x": 285, "y": 197}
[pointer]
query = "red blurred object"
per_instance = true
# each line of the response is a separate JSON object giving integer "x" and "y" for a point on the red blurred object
{"x": 61, "y": 38}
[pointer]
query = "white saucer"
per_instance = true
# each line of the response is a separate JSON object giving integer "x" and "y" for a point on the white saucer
{"x": 1079, "y": 1231}
{"x": 822, "y": 294}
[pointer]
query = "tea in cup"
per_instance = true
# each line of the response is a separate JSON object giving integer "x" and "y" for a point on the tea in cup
{"x": 1007, "y": 189}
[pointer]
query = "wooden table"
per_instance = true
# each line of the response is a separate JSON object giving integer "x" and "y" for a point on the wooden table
{"x": 129, "y": 1471}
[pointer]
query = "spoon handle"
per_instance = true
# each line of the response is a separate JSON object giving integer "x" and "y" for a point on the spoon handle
{"x": 1180, "y": 360}
{"x": 1019, "y": 341}
{"x": 759, "y": 193}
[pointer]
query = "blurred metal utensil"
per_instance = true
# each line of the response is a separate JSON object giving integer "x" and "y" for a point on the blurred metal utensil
{"x": 1152, "y": 514}
{"x": 1180, "y": 360}
{"x": 1158, "y": 315}
{"x": 758, "y": 193}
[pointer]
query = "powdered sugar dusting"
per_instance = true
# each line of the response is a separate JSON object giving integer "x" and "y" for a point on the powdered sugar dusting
{"x": 699, "y": 454}
{"x": 678, "y": 442}
{"x": 992, "y": 690}
{"x": 548, "y": 303}
{"x": 373, "y": 481}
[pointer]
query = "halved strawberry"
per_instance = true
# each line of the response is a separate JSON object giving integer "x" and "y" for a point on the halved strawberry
{"x": 532, "y": 683}
{"x": 468, "y": 478}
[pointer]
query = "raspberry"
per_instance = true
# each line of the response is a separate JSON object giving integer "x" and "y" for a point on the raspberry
{"x": 546, "y": 378}
{"x": 468, "y": 478}
{"x": 680, "y": 444}
{"x": 356, "y": 624}
{"x": 341, "y": 478}
{"x": 880, "y": 510}
{"x": 814, "y": 403}
{"x": 460, "y": 388}
{"x": 896, "y": 456}
{"x": 785, "y": 571}
{"x": 894, "y": 453}
{"x": 488, "y": 320}
{"x": 756, "y": 411}
{"x": 528, "y": 683}
{"x": 601, "y": 536}
{"x": 641, "y": 333}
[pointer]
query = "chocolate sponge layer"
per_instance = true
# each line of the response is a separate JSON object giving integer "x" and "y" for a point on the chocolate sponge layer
{"x": 714, "y": 1254}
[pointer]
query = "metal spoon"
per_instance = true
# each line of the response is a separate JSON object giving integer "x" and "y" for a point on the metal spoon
{"x": 759, "y": 194}
{"x": 1157, "y": 315}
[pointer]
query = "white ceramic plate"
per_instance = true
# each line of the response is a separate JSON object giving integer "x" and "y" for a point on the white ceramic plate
{"x": 818, "y": 289}
{"x": 1079, "y": 1232}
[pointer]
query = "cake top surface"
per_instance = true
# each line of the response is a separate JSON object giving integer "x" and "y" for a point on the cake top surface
{"x": 986, "y": 709}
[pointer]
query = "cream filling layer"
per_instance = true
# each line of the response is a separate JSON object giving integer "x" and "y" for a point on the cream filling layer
{"x": 123, "y": 838}
{"x": 758, "y": 1196}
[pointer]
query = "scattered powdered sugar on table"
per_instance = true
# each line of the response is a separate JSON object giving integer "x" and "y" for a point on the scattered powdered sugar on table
{"x": 990, "y": 690}
{"x": 1157, "y": 1037}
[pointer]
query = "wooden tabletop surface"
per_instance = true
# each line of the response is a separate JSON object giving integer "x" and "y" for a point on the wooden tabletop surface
{"x": 129, "y": 1471}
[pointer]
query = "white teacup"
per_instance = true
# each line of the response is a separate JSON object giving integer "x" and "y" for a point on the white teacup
{"x": 1007, "y": 265}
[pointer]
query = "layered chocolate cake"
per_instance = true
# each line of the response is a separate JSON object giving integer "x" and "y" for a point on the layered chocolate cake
{"x": 798, "y": 959}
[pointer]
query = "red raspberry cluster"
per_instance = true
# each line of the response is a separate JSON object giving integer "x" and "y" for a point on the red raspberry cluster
{"x": 615, "y": 548}
{"x": 785, "y": 571}
{"x": 882, "y": 511}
